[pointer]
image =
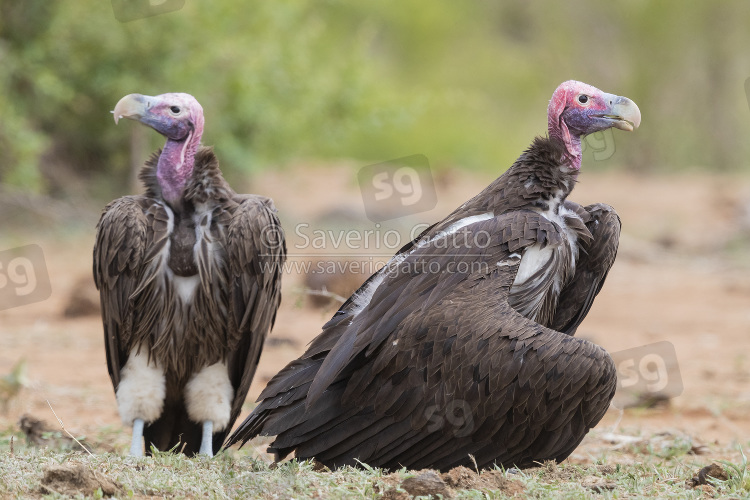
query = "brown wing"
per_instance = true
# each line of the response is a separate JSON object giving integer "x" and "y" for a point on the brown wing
{"x": 439, "y": 366}
{"x": 130, "y": 234}
{"x": 595, "y": 259}
{"x": 302, "y": 370}
{"x": 256, "y": 252}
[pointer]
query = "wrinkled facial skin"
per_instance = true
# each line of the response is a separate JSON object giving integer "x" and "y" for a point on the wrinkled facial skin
{"x": 167, "y": 123}
{"x": 597, "y": 113}
{"x": 577, "y": 109}
{"x": 173, "y": 115}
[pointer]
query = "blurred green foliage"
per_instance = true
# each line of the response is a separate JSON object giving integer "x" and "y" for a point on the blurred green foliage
{"x": 464, "y": 83}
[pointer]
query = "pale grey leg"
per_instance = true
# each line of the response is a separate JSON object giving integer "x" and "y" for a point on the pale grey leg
{"x": 207, "y": 442}
{"x": 136, "y": 445}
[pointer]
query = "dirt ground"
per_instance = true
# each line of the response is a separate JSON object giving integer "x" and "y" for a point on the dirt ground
{"x": 682, "y": 276}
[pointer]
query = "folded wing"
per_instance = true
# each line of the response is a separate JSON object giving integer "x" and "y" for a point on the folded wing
{"x": 438, "y": 366}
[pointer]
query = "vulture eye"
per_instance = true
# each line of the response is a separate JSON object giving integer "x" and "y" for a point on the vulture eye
{"x": 175, "y": 110}
{"x": 583, "y": 98}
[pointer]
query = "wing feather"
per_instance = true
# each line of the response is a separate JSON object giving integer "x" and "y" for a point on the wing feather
{"x": 596, "y": 257}
{"x": 256, "y": 252}
{"x": 130, "y": 234}
{"x": 469, "y": 349}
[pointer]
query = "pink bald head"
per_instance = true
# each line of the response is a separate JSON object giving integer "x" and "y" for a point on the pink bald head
{"x": 577, "y": 109}
{"x": 178, "y": 117}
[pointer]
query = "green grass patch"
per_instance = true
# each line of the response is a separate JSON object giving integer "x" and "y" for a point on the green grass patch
{"x": 642, "y": 472}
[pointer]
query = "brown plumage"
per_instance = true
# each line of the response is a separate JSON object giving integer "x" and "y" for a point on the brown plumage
{"x": 187, "y": 284}
{"x": 376, "y": 386}
{"x": 462, "y": 345}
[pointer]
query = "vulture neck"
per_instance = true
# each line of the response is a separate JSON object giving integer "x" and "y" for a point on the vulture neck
{"x": 573, "y": 155}
{"x": 536, "y": 181}
{"x": 175, "y": 166}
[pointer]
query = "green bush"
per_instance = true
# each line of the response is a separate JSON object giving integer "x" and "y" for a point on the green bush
{"x": 464, "y": 83}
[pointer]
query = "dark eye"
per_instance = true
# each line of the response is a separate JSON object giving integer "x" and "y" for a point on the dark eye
{"x": 174, "y": 109}
{"x": 583, "y": 99}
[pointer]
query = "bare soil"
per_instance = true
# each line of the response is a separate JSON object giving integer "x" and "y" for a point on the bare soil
{"x": 682, "y": 276}
{"x": 72, "y": 480}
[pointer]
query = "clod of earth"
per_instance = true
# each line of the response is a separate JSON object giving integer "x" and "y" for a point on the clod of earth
{"x": 77, "y": 479}
{"x": 460, "y": 477}
{"x": 713, "y": 471}
{"x": 597, "y": 484}
{"x": 426, "y": 483}
{"x": 465, "y": 478}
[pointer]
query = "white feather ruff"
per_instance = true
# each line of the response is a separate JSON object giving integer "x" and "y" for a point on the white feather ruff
{"x": 208, "y": 396}
{"x": 142, "y": 389}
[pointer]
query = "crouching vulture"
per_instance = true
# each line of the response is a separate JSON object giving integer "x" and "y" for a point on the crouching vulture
{"x": 461, "y": 348}
{"x": 189, "y": 276}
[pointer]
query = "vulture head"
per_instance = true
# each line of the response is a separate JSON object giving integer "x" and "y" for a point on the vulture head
{"x": 577, "y": 109}
{"x": 175, "y": 116}
{"x": 179, "y": 118}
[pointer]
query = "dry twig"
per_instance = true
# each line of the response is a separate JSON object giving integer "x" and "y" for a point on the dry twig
{"x": 66, "y": 430}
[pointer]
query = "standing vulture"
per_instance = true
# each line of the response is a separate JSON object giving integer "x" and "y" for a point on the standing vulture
{"x": 190, "y": 278}
{"x": 461, "y": 348}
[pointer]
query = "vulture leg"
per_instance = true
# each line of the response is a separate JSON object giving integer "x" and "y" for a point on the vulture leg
{"x": 207, "y": 439}
{"x": 209, "y": 395}
{"x": 136, "y": 445}
{"x": 140, "y": 395}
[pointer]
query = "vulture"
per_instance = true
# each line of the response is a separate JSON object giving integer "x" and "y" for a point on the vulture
{"x": 461, "y": 350}
{"x": 189, "y": 276}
